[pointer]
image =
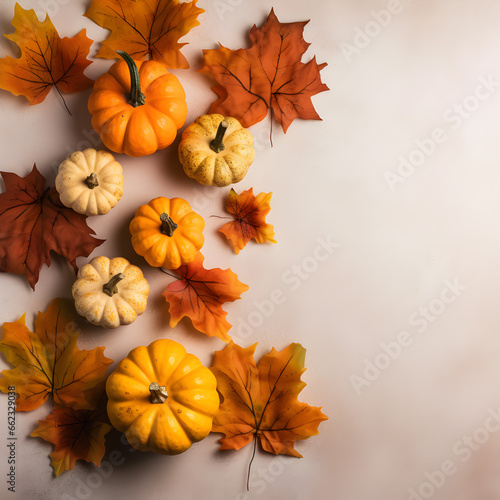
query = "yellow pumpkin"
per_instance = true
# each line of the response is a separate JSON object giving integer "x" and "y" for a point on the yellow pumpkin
{"x": 216, "y": 151}
{"x": 162, "y": 398}
{"x": 167, "y": 233}
{"x": 110, "y": 292}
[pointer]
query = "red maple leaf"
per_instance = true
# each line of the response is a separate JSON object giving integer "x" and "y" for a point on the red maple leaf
{"x": 268, "y": 75}
{"x": 75, "y": 434}
{"x": 33, "y": 222}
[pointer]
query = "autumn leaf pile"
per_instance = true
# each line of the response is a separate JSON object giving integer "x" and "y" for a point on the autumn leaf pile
{"x": 48, "y": 365}
{"x": 259, "y": 401}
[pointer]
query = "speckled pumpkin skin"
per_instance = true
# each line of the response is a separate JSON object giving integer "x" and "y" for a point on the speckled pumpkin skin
{"x": 208, "y": 167}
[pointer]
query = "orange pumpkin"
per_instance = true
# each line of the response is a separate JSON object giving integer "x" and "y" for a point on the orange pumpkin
{"x": 137, "y": 107}
{"x": 167, "y": 232}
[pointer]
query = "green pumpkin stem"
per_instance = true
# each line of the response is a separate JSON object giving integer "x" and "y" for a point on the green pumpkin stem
{"x": 136, "y": 97}
{"x": 158, "y": 394}
{"x": 217, "y": 144}
{"x": 168, "y": 226}
{"x": 110, "y": 287}
{"x": 91, "y": 181}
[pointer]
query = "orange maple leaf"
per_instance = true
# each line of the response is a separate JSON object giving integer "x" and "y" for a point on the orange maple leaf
{"x": 49, "y": 363}
{"x": 149, "y": 27}
{"x": 268, "y": 75}
{"x": 75, "y": 434}
{"x": 46, "y": 60}
{"x": 260, "y": 402}
{"x": 199, "y": 295}
{"x": 249, "y": 219}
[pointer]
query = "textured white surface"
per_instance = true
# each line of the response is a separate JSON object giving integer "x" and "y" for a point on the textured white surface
{"x": 422, "y": 258}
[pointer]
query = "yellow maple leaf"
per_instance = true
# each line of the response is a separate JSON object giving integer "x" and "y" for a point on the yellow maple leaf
{"x": 48, "y": 362}
{"x": 147, "y": 28}
{"x": 46, "y": 61}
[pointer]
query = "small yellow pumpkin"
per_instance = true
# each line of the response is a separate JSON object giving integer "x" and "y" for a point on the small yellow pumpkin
{"x": 162, "y": 398}
{"x": 216, "y": 151}
{"x": 167, "y": 232}
{"x": 110, "y": 292}
{"x": 90, "y": 182}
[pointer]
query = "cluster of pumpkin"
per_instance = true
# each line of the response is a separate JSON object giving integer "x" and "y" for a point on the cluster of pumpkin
{"x": 160, "y": 396}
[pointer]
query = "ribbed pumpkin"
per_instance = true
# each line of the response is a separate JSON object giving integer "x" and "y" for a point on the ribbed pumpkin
{"x": 137, "y": 107}
{"x": 215, "y": 150}
{"x": 167, "y": 232}
{"x": 90, "y": 182}
{"x": 110, "y": 292}
{"x": 162, "y": 398}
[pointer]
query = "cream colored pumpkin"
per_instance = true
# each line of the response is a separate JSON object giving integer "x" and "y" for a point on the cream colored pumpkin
{"x": 216, "y": 151}
{"x": 110, "y": 292}
{"x": 90, "y": 182}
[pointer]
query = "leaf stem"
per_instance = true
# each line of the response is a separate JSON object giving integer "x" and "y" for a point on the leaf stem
{"x": 251, "y": 460}
{"x": 271, "y": 127}
{"x": 136, "y": 97}
{"x": 63, "y": 100}
{"x": 168, "y": 274}
{"x": 220, "y": 217}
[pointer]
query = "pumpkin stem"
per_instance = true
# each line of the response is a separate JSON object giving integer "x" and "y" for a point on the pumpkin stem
{"x": 158, "y": 394}
{"x": 217, "y": 144}
{"x": 136, "y": 97}
{"x": 110, "y": 287}
{"x": 91, "y": 181}
{"x": 168, "y": 226}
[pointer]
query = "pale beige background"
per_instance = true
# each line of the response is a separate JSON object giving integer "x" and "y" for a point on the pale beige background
{"x": 435, "y": 401}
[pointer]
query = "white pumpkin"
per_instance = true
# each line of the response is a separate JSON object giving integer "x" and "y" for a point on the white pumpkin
{"x": 90, "y": 182}
{"x": 110, "y": 292}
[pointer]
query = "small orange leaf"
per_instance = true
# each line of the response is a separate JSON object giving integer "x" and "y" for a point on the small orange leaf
{"x": 49, "y": 363}
{"x": 46, "y": 60}
{"x": 260, "y": 402}
{"x": 268, "y": 75}
{"x": 75, "y": 434}
{"x": 147, "y": 28}
{"x": 199, "y": 295}
{"x": 249, "y": 219}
